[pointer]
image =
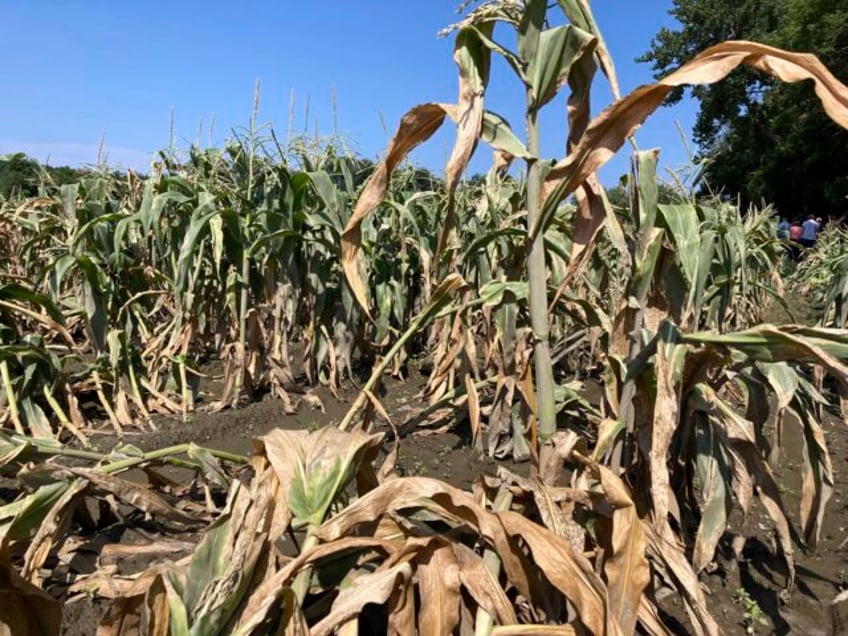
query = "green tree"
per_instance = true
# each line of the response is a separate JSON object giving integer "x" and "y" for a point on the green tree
{"x": 765, "y": 141}
{"x": 21, "y": 175}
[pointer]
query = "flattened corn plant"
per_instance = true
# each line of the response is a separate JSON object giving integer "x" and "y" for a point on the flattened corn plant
{"x": 687, "y": 378}
{"x": 631, "y": 494}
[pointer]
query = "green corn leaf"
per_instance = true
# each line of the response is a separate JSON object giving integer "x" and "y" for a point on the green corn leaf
{"x": 178, "y": 613}
{"x": 484, "y": 36}
{"x": 579, "y": 13}
{"x": 329, "y": 195}
{"x": 705, "y": 260}
{"x": 767, "y": 343}
{"x": 559, "y": 48}
{"x": 644, "y": 267}
{"x": 493, "y": 292}
{"x": 211, "y": 467}
{"x": 30, "y": 513}
{"x": 473, "y": 54}
{"x": 647, "y": 193}
{"x": 497, "y": 133}
{"x": 783, "y": 380}
{"x": 198, "y": 225}
{"x": 713, "y": 473}
{"x": 20, "y": 293}
{"x": 36, "y": 420}
{"x": 316, "y": 467}
{"x": 83, "y": 232}
{"x": 682, "y": 224}
{"x": 483, "y": 241}
{"x": 209, "y": 560}
{"x": 530, "y": 29}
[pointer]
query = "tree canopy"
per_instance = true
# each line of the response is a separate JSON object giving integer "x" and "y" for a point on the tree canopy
{"x": 21, "y": 175}
{"x": 765, "y": 141}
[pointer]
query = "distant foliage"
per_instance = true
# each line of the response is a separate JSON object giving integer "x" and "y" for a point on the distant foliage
{"x": 755, "y": 130}
{"x": 22, "y": 176}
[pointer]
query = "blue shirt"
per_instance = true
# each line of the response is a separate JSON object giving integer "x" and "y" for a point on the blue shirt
{"x": 811, "y": 230}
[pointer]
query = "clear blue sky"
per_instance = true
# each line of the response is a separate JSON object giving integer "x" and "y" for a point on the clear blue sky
{"x": 77, "y": 69}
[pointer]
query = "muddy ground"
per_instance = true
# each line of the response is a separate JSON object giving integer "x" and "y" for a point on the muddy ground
{"x": 820, "y": 575}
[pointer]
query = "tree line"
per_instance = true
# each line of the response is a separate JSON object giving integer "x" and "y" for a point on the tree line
{"x": 764, "y": 141}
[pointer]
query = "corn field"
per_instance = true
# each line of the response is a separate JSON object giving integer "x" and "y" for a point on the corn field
{"x": 272, "y": 269}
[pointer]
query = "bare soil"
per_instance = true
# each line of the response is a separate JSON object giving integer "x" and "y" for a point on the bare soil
{"x": 821, "y": 575}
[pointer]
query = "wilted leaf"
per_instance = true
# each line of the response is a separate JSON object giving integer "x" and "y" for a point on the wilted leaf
{"x": 497, "y": 133}
{"x": 25, "y": 610}
{"x": 533, "y": 630}
{"x": 368, "y": 588}
{"x": 122, "y": 618}
{"x": 482, "y": 586}
{"x": 134, "y": 495}
{"x": 608, "y": 131}
{"x": 568, "y": 572}
{"x": 438, "y": 588}
{"x": 52, "y": 527}
{"x": 27, "y": 514}
{"x": 559, "y": 49}
{"x": 416, "y": 126}
{"x": 626, "y": 566}
{"x": 714, "y": 475}
{"x": 817, "y": 485}
{"x": 683, "y": 227}
{"x": 294, "y": 623}
{"x": 666, "y": 410}
{"x": 671, "y": 556}
{"x": 313, "y": 468}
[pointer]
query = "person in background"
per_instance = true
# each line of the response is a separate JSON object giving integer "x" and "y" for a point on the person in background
{"x": 783, "y": 229}
{"x": 795, "y": 231}
{"x": 810, "y": 232}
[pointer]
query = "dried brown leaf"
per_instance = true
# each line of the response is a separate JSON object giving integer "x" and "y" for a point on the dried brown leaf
{"x": 468, "y": 115}
{"x": 482, "y": 586}
{"x": 25, "y": 610}
{"x": 268, "y": 593}
{"x": 608, "y": 131}
{"x": 134, "y": 495}
{"x": 817, "y": 483}
{"x": 666, "y": 408}
{"x": 438, "y": 588}
{"x": 671, "y": 555}
{"x": 649, "y": 619}
{"x": 627, "y": 570}
{"x": 473, "y": 413}
{"x": 376, "y": 587}
{"x": 122, "y": 618}
{"x": 533, "y": 630}
{"x": 401, "y": 609}
{"x": 117, "y": 551}
{"x": 568, "y": 572}
{"x": 415, "y": 127}
{"x": 294, "y": 622}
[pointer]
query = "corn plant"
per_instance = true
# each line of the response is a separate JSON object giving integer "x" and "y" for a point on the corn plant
{"x": 434, "y": 557}
{"x": 822, "y": 277}
{"x": 672, "y": 391}
{"x": 147, "y": 280}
